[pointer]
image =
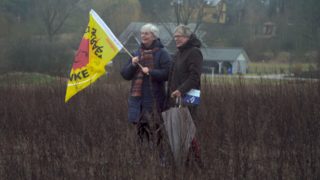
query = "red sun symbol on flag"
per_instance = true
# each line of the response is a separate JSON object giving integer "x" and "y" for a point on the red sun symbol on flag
{"x": 82, "y": 56}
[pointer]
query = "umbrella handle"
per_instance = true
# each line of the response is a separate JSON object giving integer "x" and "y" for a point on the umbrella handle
{"x": 178, "y": 102}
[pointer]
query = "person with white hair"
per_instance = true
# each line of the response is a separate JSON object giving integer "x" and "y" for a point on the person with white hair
{"x": 148, "y": 70}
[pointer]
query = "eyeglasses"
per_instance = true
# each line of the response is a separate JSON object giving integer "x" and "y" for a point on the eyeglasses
{"x": 180, "y": 36}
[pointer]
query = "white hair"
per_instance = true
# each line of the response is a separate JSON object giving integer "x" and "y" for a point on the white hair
{"x": 151, "y": 28}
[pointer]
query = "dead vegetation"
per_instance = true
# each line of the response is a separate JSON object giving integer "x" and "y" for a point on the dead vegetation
{"x": 255, "y": 131}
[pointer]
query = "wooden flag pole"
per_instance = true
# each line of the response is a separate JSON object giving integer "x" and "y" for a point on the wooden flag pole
{"x": 126, "y": 50}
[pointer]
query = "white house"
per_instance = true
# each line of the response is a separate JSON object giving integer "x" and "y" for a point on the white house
{"x": 225, "y": 60}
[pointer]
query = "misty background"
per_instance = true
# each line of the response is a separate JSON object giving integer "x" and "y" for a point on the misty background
{"x": 43, "y": 35}
{"x": 248, "y": 128}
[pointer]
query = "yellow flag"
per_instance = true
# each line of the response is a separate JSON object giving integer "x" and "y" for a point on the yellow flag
{"x": 97, "y": 48}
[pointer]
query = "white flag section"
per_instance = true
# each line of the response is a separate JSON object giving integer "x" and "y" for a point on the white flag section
{"x": 106, "y": 29}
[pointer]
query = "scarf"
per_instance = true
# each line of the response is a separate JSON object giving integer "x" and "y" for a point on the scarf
{"x": 146, "y": 60}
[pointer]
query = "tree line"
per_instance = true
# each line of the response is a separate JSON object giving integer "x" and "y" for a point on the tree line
{"x": 33, "y": 31}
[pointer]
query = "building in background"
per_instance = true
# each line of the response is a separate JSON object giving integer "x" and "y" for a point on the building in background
{"x": 130, "y": 37}
{"x": 215, "y": 11}
{"x": 216, "y": 60}
{"x": 225, "y": 60}
{"x": 211, "y": 11}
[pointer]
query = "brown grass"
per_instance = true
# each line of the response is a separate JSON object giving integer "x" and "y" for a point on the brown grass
{"x": 246, "y": 131}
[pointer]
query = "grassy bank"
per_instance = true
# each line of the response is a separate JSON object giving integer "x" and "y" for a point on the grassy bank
{"x": 279, "y": 68}
{"x": 246, "y": 131}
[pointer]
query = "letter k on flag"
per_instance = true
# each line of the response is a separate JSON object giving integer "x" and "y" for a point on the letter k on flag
{"x": 97, "y": 48}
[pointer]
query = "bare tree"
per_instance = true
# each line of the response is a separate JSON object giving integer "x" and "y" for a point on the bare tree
{"x": 182, "y": 12}
{"x": 186, "y": 10}
{"x": 54, "y": 14}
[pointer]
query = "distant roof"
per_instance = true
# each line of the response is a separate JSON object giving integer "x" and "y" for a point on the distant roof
{"x": 166, "y": 31}
{"x": 209, "y": 2}
{"x": 133, "y": 29}
{"x": 223, "y": 54}
{"x": 213, "y": 2}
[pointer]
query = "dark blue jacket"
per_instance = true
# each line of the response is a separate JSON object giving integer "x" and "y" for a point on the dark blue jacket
{"x": 155, "y": 91}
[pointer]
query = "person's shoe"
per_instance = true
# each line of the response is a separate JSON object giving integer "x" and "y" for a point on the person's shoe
{"x": 187, "y": 163}
{"x": 162, "y": 163}
{"x": 162, "y": 159}
{"x": 199, "y": 163}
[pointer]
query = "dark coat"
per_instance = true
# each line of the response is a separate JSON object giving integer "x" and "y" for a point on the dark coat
{"x": 185, "y": 73}
{"x": 159, "y": 74}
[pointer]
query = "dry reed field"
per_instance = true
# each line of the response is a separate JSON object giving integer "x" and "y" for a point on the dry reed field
{"x": 246, "y": 131}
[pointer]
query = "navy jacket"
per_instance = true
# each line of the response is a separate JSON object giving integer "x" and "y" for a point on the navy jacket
{"x": 150, "y": 91}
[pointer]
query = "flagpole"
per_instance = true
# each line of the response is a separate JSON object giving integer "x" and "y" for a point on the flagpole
{"x": 126, "y": 50}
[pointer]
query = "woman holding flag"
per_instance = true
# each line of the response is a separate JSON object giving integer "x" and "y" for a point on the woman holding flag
{"x": 148, "y": 70}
